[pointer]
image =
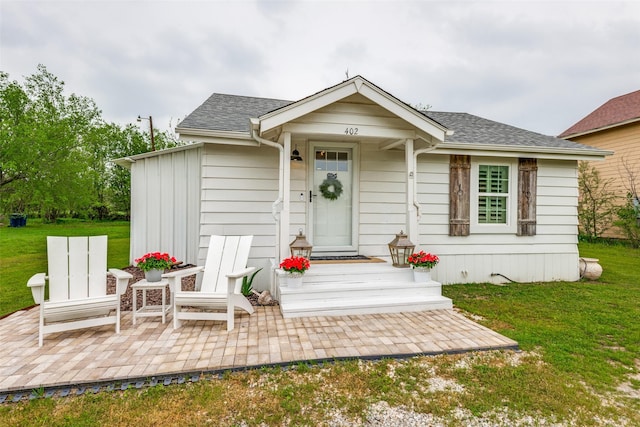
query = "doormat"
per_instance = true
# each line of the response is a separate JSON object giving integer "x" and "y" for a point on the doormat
{"x": 344, "y": 259}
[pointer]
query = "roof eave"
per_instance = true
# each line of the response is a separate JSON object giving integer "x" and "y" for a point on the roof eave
{"x": 579, "y": 154}
{"x": 349, "y": 87}
{"x": 215, "y": 136}
{"x": 127, "y": 161}
{"x": 600, "y": 129}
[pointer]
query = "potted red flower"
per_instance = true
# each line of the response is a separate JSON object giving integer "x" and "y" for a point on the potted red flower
{"x": 422, "y": 263}
{"x": 154, "y": 264}
{"x": 295, "y": 266}
{"x": 423, "y": 260}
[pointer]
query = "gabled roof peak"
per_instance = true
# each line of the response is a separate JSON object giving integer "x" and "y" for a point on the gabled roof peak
{"x": 616, "y": 111}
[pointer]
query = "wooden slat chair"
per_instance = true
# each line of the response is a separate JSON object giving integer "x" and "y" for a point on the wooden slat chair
{"x": 77, "y": 279}
{"x": 225, "y": 266}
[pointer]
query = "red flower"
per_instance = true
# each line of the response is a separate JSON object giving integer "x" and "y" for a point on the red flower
{"x": 422, "y": 259}
{"x": 155, "y": 260}
{"x": 295, "y": 264}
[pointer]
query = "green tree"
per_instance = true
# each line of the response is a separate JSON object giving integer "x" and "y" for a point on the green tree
{"x": 56, "y": 152}
{"x": 629, "y": 214}
{"x": 43, "y": 160}
{"x": 112, "y": 183}
{"x": 596, "y": 202}
{"x": 629, "y": 220}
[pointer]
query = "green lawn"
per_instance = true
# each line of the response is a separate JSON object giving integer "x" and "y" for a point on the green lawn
{"x": 580, "y": 365}
{"x": 590, "y": 328}
{"x": 23, "y": 252}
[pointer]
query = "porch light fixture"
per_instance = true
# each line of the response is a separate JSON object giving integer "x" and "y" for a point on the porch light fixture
{"x": 295, "y": 155}
{"x": 400, "y": 248}
{"x": 153, "y": 143}
{"x": 300, "y": 246}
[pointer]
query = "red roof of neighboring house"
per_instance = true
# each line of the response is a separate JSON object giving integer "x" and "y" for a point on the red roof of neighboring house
{"x": 617, "y": 110}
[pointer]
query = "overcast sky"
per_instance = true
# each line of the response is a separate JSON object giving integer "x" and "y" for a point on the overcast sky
{"x": 539, "y": 65}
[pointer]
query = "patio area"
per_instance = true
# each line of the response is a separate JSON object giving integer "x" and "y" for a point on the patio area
{"x": 151, "y": 352}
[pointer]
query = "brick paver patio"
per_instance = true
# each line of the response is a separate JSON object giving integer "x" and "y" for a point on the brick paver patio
{"x": 150, "y": 348}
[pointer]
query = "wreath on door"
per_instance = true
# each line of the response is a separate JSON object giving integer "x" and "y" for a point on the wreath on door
{"x": 331, "y": 188}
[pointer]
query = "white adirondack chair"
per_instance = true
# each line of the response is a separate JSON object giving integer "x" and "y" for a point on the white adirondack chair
{"x": 77, "y": 279}
{"x": 219, "y": 292}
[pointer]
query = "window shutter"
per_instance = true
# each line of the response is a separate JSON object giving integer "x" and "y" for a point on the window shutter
{"x": 459, "y": 195}
{"x": 527, "y": 191}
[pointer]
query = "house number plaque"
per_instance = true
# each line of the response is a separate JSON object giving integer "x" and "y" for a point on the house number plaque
{"x": 351, "y": 131}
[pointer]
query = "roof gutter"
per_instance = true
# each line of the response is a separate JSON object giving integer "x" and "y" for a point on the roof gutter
{"x": 255, "y": 124}
{"x": 600, "y": 129}
{"x": 415, "y": 168}
{"x": 447, "y": 147}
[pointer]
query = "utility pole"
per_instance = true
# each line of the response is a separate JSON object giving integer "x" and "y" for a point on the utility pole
{"x": 153, "y": 143}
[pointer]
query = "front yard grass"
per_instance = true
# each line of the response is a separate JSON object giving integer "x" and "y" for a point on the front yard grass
{"x": 23, "y": 253}
{"x": 580, "y": 365}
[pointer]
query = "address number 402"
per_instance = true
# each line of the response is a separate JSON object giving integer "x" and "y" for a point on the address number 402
{"x": 351, "y": 131}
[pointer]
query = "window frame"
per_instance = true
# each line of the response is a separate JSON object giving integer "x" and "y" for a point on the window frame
{"x": 512, "y": 196}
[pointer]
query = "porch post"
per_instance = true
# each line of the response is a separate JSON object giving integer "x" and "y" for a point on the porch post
{"x": 286, "y": 199}
{"x": 412, "y": 218}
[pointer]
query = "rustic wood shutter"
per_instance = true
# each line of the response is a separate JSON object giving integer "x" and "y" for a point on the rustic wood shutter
{"x": 527, "y": 191}
{"x": 459, "y": 195}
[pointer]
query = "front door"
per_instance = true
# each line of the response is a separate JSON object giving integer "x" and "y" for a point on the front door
{"x": 332, "y": 213}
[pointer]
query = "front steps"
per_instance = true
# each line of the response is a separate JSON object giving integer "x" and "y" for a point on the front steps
{"x": 367, "y": 288}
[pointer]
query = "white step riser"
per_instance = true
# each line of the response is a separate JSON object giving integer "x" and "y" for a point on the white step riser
{"x": 336, "y": 287}
{"x": 365, "y": 286}
{"x": 287, "y": 297}
{"x": 400, "y": 308}
{"x": 346, "y": 289}
{"x": 403, "y": 276}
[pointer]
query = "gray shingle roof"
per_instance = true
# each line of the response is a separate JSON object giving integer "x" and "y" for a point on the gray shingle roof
{"x": 231, "y": 113}
{"x": 470, "y": 129}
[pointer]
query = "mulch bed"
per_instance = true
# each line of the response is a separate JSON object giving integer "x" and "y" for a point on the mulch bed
{"x": 154, "y": 297}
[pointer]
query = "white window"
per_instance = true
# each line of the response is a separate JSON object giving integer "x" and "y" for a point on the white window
{"x": 493, "y": 196}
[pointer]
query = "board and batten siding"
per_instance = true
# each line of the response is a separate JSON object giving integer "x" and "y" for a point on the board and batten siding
{"x": 550, "y": 255}
{"x": 239, "y": 186}
{"x": 165, "y": 205}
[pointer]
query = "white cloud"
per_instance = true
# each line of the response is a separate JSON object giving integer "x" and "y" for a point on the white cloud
{"x": 538, "y": 65}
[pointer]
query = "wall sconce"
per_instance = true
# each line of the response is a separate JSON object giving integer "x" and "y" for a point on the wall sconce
{"x": 300, "y": 246}
{"x": 295, "y": 155}
{"x": 400, "y": 248}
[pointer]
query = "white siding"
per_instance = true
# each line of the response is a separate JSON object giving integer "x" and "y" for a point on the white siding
{"x": 351, "y": 113}
{"x": 382, "y": 198}
{"x": 165, "y": 205}
{"x": 298, "y": 205}
{"x": 550, "y": 255}
{"x": 239, "y": 186}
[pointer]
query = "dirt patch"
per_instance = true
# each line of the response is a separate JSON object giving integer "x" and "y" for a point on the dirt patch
{"x": 628, "y": 387}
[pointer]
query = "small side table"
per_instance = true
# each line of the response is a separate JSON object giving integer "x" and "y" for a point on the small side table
{"x": 151, "y": 310}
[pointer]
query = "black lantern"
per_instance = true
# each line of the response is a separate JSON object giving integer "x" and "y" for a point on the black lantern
{"x": 300, "y": 246}
{"x": 295, "y": 155}
{"x": 400, "y": 248}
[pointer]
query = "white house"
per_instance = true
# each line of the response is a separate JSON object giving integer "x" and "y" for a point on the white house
{"x": 491, "y": 200}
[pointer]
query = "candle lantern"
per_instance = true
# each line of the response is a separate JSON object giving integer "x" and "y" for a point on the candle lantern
{"x": 300, "y": 246}
{"x": 400, "y": 249}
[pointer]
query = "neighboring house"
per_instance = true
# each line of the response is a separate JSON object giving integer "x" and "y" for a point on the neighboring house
{"x": 492, "y": 200}
{"x": 614, "y": 126}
